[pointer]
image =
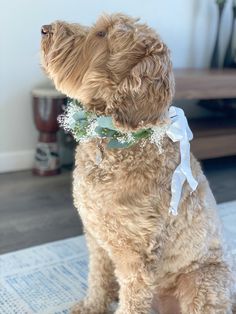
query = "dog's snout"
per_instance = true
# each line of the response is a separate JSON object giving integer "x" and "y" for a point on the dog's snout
{"x": 46, "y": 29}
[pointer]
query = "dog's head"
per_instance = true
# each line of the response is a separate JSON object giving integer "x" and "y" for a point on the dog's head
{"x": 117, "y": 67}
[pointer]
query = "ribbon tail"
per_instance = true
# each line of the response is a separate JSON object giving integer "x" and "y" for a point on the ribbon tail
{"x": 179, "y": 131}
{"x": 185, "y": 163}
{"x": 177, "y": 182}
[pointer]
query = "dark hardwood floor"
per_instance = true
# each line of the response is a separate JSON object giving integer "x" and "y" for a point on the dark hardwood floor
{"x": 36, "y": 210}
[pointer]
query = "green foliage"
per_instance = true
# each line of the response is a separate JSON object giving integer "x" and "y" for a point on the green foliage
{"x": 86, "y": 125}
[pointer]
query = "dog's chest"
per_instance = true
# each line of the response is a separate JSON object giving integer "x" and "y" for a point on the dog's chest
{"x": 95, "y": 195}
{"x": 116, "y": 197}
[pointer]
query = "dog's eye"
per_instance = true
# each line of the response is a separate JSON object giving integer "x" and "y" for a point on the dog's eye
{"x": 101, "y": 34}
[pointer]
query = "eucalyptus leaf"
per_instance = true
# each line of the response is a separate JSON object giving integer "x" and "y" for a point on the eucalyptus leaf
{"x": 103, "y": 132}
{"x": 83, "y": 123}
{"x": 72, "y": 125}
{"x": 114, "y": 143}
{"x": 79, "y": 115}
{"x": 106, "y": 122}
{"x": 98, "y": 130}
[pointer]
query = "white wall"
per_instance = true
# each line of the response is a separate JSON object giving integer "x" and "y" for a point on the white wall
{"x": 187, "y": 26}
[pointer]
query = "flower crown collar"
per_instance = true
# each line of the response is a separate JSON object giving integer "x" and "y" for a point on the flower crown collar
{"x": 84, "y": 126}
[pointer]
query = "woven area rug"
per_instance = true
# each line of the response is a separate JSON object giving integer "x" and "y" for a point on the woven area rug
{"x": 50, "y": 278}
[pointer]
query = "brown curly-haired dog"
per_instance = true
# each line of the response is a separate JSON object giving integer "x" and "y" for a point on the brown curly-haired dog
{"x": 121, "y": 68}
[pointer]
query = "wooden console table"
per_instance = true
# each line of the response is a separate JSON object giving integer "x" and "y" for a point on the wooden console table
{"x": 213, "y": 137}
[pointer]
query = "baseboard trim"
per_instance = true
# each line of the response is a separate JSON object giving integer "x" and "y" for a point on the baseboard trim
{"x": 16, "y": 161}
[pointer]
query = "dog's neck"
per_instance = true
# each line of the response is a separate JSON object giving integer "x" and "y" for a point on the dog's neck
{"x": 86, "y": 126}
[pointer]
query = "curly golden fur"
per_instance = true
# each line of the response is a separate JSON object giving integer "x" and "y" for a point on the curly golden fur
{"x": 122, "y": 68}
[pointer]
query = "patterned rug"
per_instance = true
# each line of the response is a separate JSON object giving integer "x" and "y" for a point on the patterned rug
{"x": 49, "y": 278}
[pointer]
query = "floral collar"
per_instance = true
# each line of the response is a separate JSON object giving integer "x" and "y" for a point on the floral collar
{"x": 85, "y": 126}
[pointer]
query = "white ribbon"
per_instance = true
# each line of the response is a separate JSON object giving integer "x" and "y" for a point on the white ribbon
{"x": 179, "y": 131}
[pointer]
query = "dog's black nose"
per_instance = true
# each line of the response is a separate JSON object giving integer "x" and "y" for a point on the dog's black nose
{"x": 46, "y": 29}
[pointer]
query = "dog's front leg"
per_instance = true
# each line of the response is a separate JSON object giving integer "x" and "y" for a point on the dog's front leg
{"x": 103, "y": 287}
{"x": 137, "y": 284}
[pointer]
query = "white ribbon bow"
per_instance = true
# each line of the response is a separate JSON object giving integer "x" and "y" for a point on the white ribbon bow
{"x": 179, "y": 131}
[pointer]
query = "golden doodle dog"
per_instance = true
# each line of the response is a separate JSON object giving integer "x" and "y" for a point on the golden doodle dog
{"x": 139, "y": 251}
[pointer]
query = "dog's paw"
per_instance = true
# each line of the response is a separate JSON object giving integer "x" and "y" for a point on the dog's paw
{"x": 83, "y": 308}
{"x": 79, "y": 308}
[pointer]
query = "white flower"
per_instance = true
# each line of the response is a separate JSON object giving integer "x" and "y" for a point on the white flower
{"x": 158, "y": 134}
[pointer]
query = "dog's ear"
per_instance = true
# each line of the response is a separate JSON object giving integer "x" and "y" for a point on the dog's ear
{"x": 144, "y": 95}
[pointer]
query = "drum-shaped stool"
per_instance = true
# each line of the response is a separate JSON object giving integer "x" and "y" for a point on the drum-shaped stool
{"x": 47, "y": 105}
